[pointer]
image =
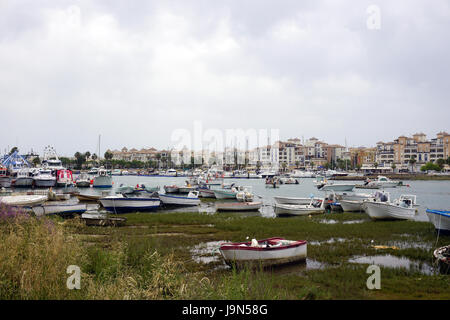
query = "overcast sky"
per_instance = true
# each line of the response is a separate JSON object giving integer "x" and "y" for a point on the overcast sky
{"x": 135, "y": 71}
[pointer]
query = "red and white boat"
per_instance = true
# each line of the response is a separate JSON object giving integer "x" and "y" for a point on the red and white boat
{"x": 64, "y": 177}
{"x": 267, "y": 252}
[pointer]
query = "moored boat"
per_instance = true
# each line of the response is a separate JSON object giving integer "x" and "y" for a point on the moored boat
{"x": 122, "y": 204}
{"x": 382, "y": 182}
{"x": 60, "y": 209}
{"x": 103, "y": 179}
{"x": 171, "y": 189}
{"x": 23, "y": 179}
{"x": 314, "y": 207}
{"x": 88, "y": 197}
{"x": 83, "y": 181}
{"x": 293, "y": 200}
{"x": 23, "y": 200}
{"x": 225, "y": 193}
{"x": 190, "y": 200}
{"x": 440, "y": 219}
{"x": 101, "y": 220}
{"x": 64, "y": 177}
{"x": 267, "y": 252}
{"x": 5, "y": 179}
{"x": 390, "y": 210}
{"x": 44, "y": 179}
{"x": 239, "y": 206}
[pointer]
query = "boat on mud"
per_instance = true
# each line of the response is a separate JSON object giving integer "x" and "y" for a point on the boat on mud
{"x": 239, "y": 206}
{"x": 267, "y": 252}
{"x": 190, "y": 200}
{"x": 440, "y": 219}
{"x": 314, "y": 207}
{"x": 121, "y": 203}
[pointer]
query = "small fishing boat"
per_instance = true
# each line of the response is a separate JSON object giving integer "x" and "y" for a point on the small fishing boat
{"x": 120, "y": 203}
{"x": 314, "y": 207}
{"x": 225, "y": 193}
{"x": 238, "y": 206}
{"x": 44, "y": 178}
{"x": 88, "y": 197}
{"x": 171, "y": 189}
{"x": 23, "y": 200}
{"x": 102, "y": 220}
{"x": 267, "y": 252}
{"x": 60, "y": 209}
{"x": 83, "y": 181}
{"x": 325, "y": 185}
{"x": 442, "y": 256}
{"x": 288, "y": 181}
{"x": 103, "y": 179}
{"x": 144, "y": 188}
{"x": 186, "y": 189}
{"x": 293, "y": 200}
{"x": 440, "y": 220}
{"x": 190, "y": 200}
{"x": 64, "y": 177}
{"x": 382, "y": 182}
{"x": 205, "y": 192}
{"x": 382, "y": 208}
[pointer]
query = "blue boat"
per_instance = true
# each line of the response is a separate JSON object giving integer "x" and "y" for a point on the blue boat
{"x": 440, "y": 220}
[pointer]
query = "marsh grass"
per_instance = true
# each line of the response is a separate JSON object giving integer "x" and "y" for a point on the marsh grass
{"x": 150, "y": 258}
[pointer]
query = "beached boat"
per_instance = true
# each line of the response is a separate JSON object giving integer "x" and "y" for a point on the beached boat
{"x": 245, "y": 194}
{"x": 238, "y": 206}
{"x": 267, "y": 252}
{"x": 83, "y": 181}
{"x": 314, "y": 207}
{"x": 225, "y": 193}
{"x": 102, "y": 220}
{"x": 171, "y": 189}
{"x": 59, "y": 208}
{"x": 23, "y": 179}
{"x": 205, "y": 192}
{"x": 186, "y": 189}
{"x": 44, "y": 178}
{"x": 190, "y": 200}
{"x": 144, "y": 188}
{"x": 123, "y": 204}
{"x": 440, "y": 219}
{"x": 64, "y": 177}
{"x": 352, "y": 205}
{"x": 102, "y": 179}
{"x": 398, "y": 209}
{"x": 23, "y": 200}
{"x": 293, "y": 200}
{"x": 442, "y": 256}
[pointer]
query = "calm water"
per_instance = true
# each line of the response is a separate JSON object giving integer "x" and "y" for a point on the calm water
{"x": 430, "y": 194}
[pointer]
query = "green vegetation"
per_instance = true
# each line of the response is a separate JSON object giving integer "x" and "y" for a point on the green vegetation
{"x": 152, "y": 258}
{"x": 430, "y": 166}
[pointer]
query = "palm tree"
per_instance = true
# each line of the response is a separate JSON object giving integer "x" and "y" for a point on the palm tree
{"x": 412, "y": 161}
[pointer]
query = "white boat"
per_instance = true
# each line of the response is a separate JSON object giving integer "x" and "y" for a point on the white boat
{"x": 285, "y": 180}
{"x": 116, "y": 172}
{"x": 44, "y": 178}
{"x": 352, "y": 205}
{"x": 382, "y": 182}
{"x": 102, "y": 220}
{"x": 186, "y": 189}
{"x": 61, "y": 209}
{"x": 102, "y": 179}
{"x": 122, "y": 204}
{"x": 125, "y": 189}
{"x": 83, "y": 181}
{"x": 23, "y": 200}
{"x": 302, "y": 174}
{"x": 190, "y": 200}
{"x": 268, "y": 173}
{"x": 93, "y": 171}
{"x": 267, "y": 252}
{"x": 23, "y": 179}
{"x": 400, "y": 209}
{"x": 239, "y": 206}
{"x": 171, "y": 173}
{"x": 440, "y": 219}
{"x": 336, "y": 187}
{"x": 300, "y": 209}
{"x": 206, "y": 193}
{"x": 293, "y": 200}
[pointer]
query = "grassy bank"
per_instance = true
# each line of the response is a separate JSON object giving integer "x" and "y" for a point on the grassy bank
{"x": 153, "y": 258}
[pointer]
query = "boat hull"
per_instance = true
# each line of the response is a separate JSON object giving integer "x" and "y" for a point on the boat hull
{"x": 124, "y": 205}
{"x": 5, "y": 182}
{"x": 338, "y": 187}
{"x": 25, "y": 200}
{"x": 240, "y": 254}
{"x": 296, "y": 210}
{"x": 23, "y": 182}
{"x": 440, "y": 220}
{"x": 239, "y": 206}
{"x": 180, "y": 201}
{"x": 83, "y": 184}
{"x": 102, "y": 182}
{"x": 351, "y": 205}
{"x": 61, "y": 209}
{"x": 292, "y": 200}
{"x": 224, "y": 194}
{"x": 44, "y": 183}
{"x": 206, "y": 193}
{"x": 386, "y": 211}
